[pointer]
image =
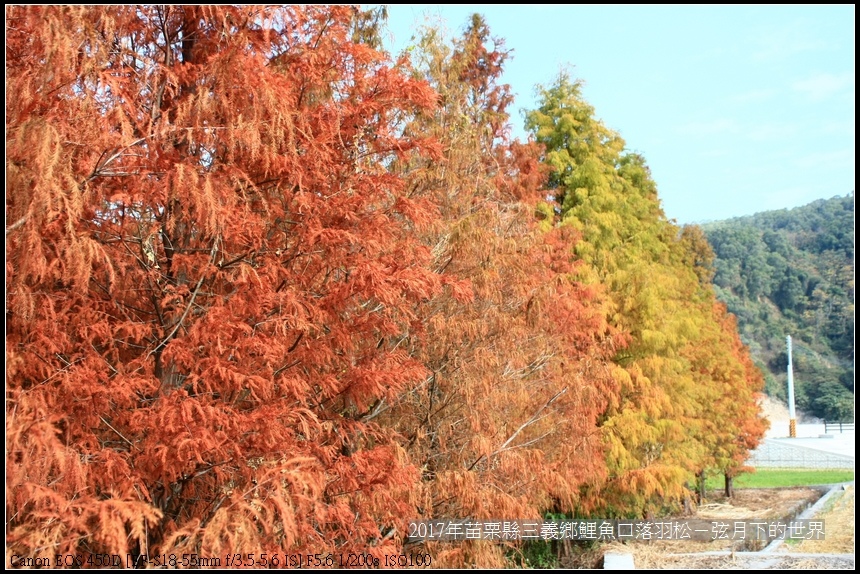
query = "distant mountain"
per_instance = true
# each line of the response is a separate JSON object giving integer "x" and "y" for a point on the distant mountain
{"x": 791, "y": 272}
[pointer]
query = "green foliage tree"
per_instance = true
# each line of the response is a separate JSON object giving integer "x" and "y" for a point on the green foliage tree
{"x": 659, "y": 432}
{"x": 269, "y": 290}
{"x": 800, "y": 265}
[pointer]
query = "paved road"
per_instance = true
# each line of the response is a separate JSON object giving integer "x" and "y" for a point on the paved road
{"x": 809, "y": 435}
{"x": 810, "y": 449}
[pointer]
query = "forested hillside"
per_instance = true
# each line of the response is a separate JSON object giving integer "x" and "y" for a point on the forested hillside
{"x": 791, "y": 272}
{"x": 272, "y": 291}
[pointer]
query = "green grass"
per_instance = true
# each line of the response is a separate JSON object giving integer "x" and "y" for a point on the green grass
{"x": 776, "y": 477}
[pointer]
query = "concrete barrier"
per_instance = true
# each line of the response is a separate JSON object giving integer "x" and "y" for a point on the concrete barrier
{"x": 618, "y": 561}
{"x": 798, "y": 453}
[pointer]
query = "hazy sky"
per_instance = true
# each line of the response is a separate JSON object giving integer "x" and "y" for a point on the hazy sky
{"x": 737, "y": 109}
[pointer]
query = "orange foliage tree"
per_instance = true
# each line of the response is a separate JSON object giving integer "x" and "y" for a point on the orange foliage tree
{"x": 735, "y": 424}
{"x": 269, "y": 292}
{"x": 505, "y": 426}
{"x": 728, "y": 384}
{"x": 209, "y": 269}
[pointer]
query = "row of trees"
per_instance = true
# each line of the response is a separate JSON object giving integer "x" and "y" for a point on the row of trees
{"x": 685, "y": 401}
{"x": 269, "y": 290}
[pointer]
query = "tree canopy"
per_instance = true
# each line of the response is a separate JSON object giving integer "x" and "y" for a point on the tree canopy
{"x": 664, "y": 424}
{"x": 270, "y": 289}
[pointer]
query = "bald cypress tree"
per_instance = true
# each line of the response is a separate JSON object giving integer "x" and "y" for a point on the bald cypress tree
{"x": 660, "y": 429}
{"x": 207, "y": 258}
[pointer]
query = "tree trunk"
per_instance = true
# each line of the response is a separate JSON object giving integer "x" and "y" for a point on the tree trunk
{"x": 730, "y": 485}
{"x": 700, "y": 486}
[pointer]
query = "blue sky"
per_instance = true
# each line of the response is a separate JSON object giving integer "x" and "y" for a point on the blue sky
{"x": 737, "y": 109}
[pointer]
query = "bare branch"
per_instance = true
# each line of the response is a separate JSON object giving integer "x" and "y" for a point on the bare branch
{"x": 178, "y": 324}
{"x": 534, "y": 418}
{"x": 131, "y": 444}
{"x": 16, "y": 225}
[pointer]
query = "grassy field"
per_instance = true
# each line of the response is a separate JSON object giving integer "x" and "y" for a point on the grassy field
{"x": 775, "y": 477}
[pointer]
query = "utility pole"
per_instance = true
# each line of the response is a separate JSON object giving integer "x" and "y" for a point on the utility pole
{"x": 792, "y": 424}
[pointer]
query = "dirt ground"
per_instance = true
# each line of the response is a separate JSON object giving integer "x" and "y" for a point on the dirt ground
{"x": 748, "y": 504}
{"x": 838, "y": 514}
{"x": 835, "y": 552}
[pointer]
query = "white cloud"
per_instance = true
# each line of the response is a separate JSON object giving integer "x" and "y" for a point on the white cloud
{"x": 745, "y": 130}
{"x": 823, "y": 85}
{"x": 839, "y": 128}
{"x": 780, "y": 44}
{"x": 754, "y": 96}
{"x": 828, "y": 160}
{"x": 715, "y": 154}
{"x": 709, "y": 128}
{"x": 771, "y": 132}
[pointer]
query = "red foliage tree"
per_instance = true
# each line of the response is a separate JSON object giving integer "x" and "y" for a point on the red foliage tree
{"x": 506, "y": 424}
{"x": 208, "y": 270}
